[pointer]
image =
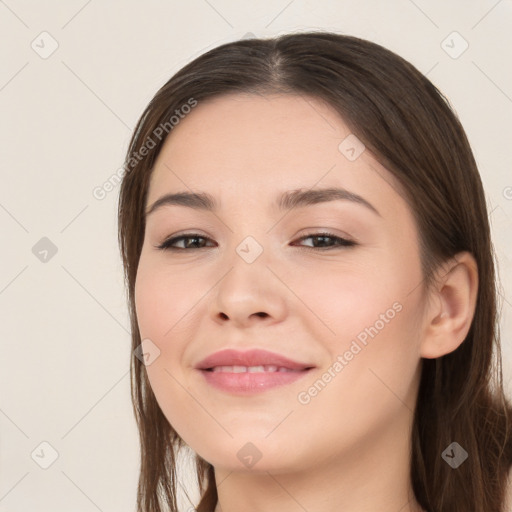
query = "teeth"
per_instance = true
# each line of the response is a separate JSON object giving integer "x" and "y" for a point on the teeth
{"x": 251, "y": 369}
{"x": 256, "y": 369}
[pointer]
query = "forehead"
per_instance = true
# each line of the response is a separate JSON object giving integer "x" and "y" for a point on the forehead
{"x": 249, "y": 126}
{"x": 247, "y": 145}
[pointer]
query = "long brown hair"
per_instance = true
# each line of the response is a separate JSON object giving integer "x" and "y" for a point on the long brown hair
{"x": 408, "y": 125}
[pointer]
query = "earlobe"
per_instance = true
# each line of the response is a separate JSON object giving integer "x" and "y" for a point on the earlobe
{"x": 452, "y": 307}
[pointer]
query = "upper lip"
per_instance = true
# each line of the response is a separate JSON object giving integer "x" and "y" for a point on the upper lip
{"x": 254, "y": 357}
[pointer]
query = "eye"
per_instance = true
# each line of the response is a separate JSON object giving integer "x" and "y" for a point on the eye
{"x": 169, "y": 243}
{"x": 193, "y": 241}
{"x": 322, "y": 237}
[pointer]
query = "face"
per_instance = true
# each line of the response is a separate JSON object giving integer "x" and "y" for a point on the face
{"x": 252, "y": 275}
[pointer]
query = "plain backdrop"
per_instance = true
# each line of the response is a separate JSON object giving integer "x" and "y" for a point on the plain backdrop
{"x": 74, "y": 79}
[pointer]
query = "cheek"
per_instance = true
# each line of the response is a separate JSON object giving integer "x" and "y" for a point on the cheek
{"x": 371, "y": 380}
{"x": 161, "y": 316}
{"x": 349, "y": 296}
{"x": 164, "y": 300}
{"x": 369, "y": 318}
{"x": 162, "y": 303}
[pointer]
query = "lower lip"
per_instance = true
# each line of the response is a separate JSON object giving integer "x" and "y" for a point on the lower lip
{"x": 248, "y": 382}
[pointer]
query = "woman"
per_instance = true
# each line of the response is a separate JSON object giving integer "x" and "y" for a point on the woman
{"x": 311, "y": 284}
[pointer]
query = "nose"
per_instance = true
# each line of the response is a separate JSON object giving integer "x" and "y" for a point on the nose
{"x": 248, "y": 294}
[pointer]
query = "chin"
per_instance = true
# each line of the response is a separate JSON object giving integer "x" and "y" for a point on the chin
{"x": 254, "y": 454}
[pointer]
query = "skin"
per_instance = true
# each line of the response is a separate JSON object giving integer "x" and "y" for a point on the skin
{"x": 348, "y": 448}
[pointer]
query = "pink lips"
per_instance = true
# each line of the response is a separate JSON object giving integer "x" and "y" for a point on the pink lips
{"x": 278, "y": 370}
{"x": 254, "y": 357}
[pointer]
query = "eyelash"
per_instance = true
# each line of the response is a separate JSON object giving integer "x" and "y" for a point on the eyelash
{"x": 166, "y": 245}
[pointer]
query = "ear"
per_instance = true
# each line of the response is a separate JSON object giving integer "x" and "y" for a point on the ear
{"x": 451, "y": 306}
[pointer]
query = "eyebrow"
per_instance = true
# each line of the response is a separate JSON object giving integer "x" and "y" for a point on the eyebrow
{"x": 286, "y": 201}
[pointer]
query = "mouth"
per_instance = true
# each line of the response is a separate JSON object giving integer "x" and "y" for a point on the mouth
{"x": 251, "y": 369}
{"x": 254, "y": 360}
{"x": 250, "y": 372}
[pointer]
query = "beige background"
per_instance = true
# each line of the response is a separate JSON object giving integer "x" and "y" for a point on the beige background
{"x": 66, "y": 119}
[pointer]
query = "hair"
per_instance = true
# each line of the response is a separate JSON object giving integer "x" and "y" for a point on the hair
{"x": 410, "y": 128}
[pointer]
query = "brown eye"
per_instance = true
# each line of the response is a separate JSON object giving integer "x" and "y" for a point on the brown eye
{"x": 169, "y": 244}
{"x": 324, "y": 238}
{"x": 194, "y": 241}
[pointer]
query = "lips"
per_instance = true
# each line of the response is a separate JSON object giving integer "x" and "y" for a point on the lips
{"x": 250, "y": 372}
{"x": 270, "y": 361}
